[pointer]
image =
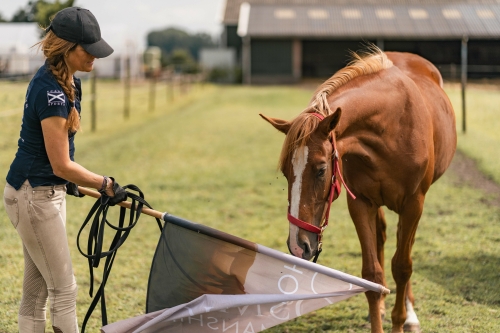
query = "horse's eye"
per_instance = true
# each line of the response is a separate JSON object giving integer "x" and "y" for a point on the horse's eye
{"x": 321, "y": 172}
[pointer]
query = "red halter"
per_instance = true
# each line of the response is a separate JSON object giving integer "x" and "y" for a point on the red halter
{"x": 335, "y": 190}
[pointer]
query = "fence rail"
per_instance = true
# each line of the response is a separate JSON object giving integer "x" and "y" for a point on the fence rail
{"x": 453, "y": 71}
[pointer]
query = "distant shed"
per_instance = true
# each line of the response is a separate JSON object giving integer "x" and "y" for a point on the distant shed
{"x": 19, "y": 58}
{"x": 287, "y": 40}
{"x": 217, "y": 58}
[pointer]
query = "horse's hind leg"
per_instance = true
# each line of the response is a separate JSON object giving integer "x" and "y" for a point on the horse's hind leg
{"x": 381, "y": 237}
{"x": 365, "y": 216}
{"x": 401, "y": 262}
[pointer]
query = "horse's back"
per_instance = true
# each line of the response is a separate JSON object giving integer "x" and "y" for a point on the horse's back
{"x": 415, "y": 66}
{"x": 428, "y": 79}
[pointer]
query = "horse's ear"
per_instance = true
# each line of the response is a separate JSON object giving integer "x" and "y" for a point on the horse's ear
{"x": 329, "y": 123}
{"x": 280, "y": 124}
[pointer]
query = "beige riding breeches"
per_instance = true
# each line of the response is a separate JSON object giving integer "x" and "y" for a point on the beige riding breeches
{"x": 39, "y": 216}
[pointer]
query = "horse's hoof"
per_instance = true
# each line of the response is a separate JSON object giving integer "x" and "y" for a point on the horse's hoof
{"x": 415, "y": 328}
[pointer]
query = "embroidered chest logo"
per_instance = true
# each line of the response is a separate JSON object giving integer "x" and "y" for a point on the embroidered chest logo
{"x": 55, "y": 97}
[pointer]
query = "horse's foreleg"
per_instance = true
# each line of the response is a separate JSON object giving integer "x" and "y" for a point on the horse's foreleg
{"x": 381, "y": 237}
{"x": 364, "y": 216}
{"x": 401, "y": 262}
{"x": 412, "y": 324}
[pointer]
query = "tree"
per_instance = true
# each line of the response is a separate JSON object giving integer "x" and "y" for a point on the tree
{"x": 40, "y": 11}
{"x": 25, "y": 14}
{"x": 171, "y": 39}
{"x": 44, "y": 10}
{"x": 182, "y": 61}
{"x": 2, "y": 19}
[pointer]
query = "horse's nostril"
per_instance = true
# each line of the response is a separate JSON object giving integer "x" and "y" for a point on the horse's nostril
{"x": 307, "y": 249}
{"x": 306, "y": 246}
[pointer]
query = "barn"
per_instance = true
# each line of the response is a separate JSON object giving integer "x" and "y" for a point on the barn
{"x": 285, "y": 41}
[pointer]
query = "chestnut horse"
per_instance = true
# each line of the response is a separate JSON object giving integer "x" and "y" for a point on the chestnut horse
{"x": 391, "y": 134}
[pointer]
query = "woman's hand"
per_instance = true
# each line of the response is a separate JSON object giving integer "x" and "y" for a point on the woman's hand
{"x": 119, "y": 193}
{"x": 109, "y": 188}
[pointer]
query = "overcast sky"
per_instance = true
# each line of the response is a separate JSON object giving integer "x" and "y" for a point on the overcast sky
{"x": 142, "y": 16}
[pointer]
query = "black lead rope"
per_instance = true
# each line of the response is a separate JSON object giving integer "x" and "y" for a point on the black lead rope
{"x": 317, "y": 255}
{"x": 95, "y": 253}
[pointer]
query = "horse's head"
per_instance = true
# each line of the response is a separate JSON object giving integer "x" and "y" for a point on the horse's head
{"x": 307, "y": 161}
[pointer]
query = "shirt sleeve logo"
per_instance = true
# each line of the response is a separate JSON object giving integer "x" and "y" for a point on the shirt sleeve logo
{"x": 55, "y": 97}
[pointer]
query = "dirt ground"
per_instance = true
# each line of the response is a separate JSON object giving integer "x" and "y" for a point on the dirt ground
{"x": 465, "y": 172}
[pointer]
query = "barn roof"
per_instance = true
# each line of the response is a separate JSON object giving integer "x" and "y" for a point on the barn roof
{"x": 414, "y": 19}
{"x": 232, "y": 7}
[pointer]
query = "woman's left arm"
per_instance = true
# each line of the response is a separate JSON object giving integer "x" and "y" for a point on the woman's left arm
{"x": 55, "y": 135}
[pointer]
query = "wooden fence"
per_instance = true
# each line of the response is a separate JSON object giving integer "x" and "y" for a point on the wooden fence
{"x": 176, "y": 84}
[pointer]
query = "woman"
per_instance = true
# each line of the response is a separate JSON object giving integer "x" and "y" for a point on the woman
{"x": 34, "y": 196}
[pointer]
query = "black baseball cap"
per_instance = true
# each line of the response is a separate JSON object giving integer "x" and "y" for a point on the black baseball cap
{"x": 79, "y": 25}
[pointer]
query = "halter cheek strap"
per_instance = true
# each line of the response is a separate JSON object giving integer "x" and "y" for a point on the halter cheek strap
{"x": 335, "y": 190}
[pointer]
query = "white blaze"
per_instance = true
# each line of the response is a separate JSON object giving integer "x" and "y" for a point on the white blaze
{"x": 299, "y": 162}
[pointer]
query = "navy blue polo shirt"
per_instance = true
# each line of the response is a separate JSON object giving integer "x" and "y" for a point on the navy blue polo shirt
{"x": 44, "y": 98}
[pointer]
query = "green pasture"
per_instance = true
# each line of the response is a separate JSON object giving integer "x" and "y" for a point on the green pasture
{"x": 482, "y": 137}
{"x": 208, "y": 157}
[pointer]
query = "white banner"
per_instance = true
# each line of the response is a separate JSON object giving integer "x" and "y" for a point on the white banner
{"x": 203, "y": 280}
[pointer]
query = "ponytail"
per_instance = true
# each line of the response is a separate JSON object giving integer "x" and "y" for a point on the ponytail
{"x": 55, "y": 50}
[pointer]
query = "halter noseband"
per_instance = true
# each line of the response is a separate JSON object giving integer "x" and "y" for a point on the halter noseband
{"x": 335, "y": 190}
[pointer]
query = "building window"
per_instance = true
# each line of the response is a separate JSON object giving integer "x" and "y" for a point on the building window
{"x": 451, "y": 14}
{"x": 385, "y": 14}
{"x": 485, "y": 13}
{"x": 351, "y": 14}
{"x": 317, "y": 14}
{"x": 418, "y": 14}
{"x": 284, "y": 14}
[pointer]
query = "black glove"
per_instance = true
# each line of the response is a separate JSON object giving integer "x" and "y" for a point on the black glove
{"x": 72, "y": 189}
{"x": 120, "y": 193}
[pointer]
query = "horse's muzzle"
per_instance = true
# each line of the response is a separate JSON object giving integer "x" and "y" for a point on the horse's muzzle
{"x": 304, "y": 248}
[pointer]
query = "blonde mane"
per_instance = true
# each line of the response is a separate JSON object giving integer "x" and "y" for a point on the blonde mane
{"x": 371, "y": 61}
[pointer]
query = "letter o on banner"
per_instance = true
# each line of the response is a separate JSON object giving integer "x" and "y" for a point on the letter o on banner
{"x": 291, "y": 277}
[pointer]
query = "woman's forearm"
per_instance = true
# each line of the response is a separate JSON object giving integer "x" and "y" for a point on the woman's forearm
{"x": 75, "y": 173}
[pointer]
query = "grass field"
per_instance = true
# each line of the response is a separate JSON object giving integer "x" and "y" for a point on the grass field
{"x": 482, "y": 137}
{"x": 208, "y": 157}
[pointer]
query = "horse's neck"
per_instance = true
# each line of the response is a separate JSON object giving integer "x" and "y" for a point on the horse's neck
{"x": 351, "y": 125}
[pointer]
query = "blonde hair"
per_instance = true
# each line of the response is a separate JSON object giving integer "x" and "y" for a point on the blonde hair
{"x": 55, "y": 49}
{"x": 371, "y": 61}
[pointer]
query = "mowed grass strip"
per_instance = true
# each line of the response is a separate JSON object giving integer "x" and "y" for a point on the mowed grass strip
{"x": 481, "y": 141}
{"x": 208, "y": 157}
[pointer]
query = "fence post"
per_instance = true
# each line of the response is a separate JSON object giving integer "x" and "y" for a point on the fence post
{"x": 464, "y": 79}
{"x": 126, "y": 102}
{"x": 170, "y": 85}
{"x": 152, "y": 90}
{"x": 93, "y": 98}
{"x": 183, "y": 83}
{"x": 179, "y": 84}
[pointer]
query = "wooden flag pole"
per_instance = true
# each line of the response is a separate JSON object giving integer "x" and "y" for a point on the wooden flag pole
{"x": 126, "y": 204}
